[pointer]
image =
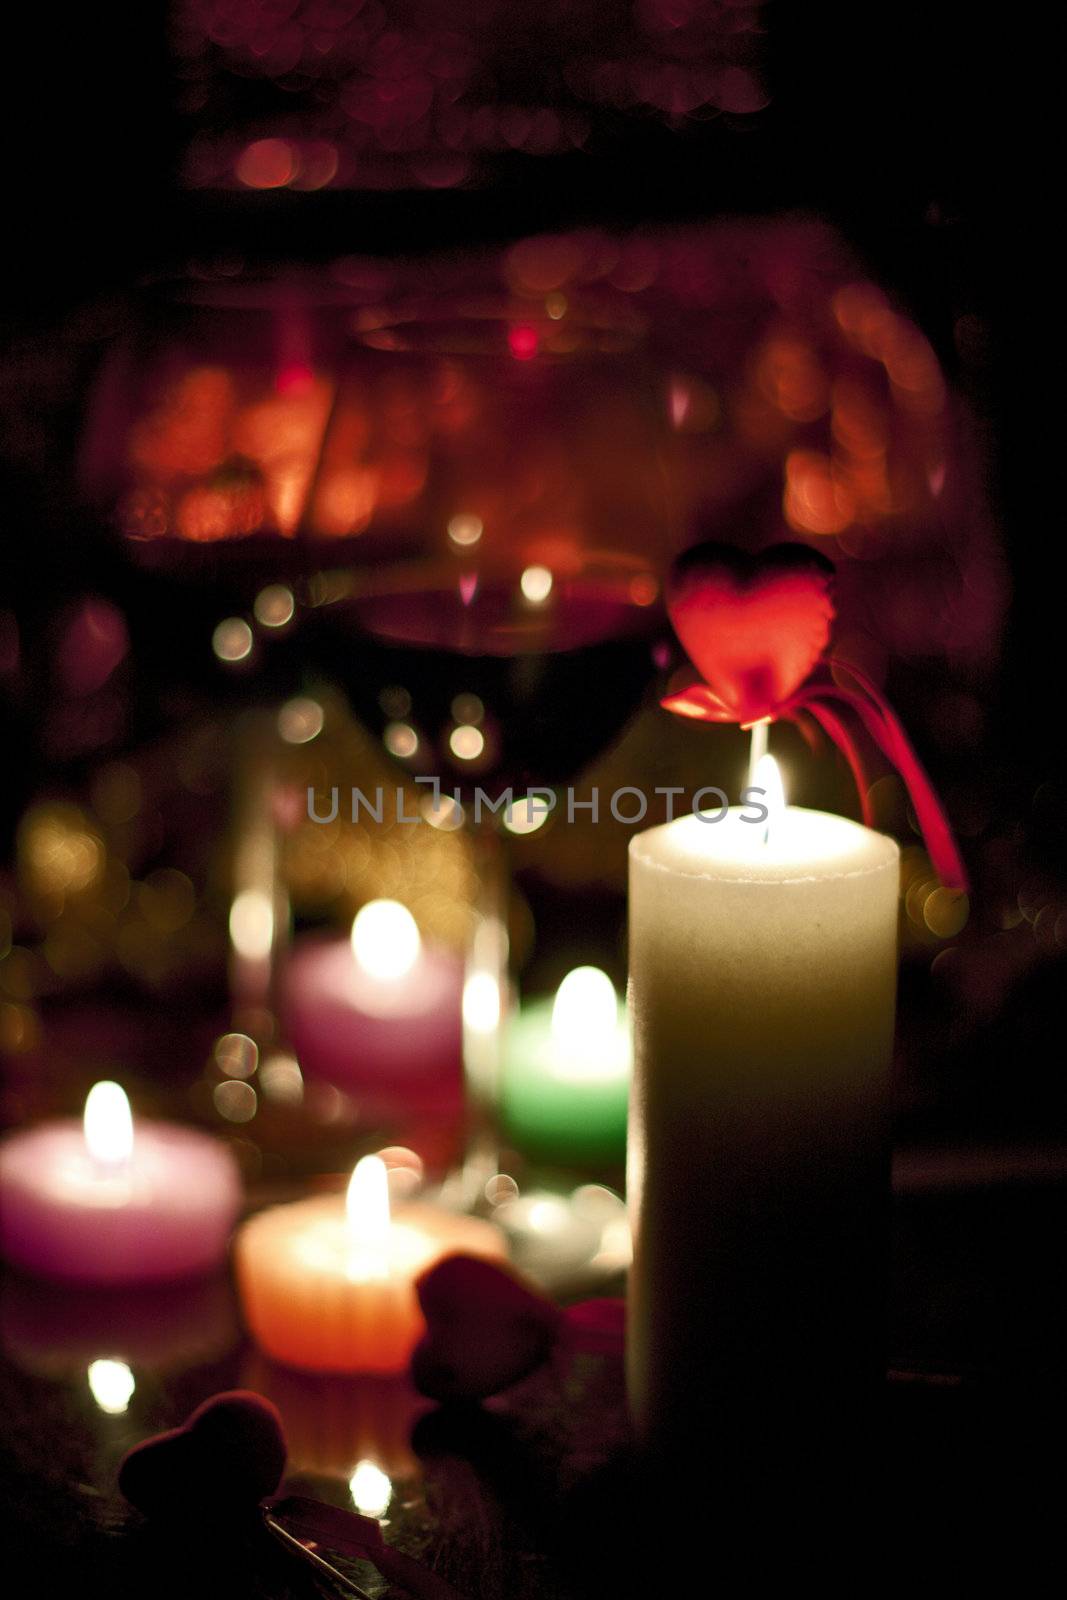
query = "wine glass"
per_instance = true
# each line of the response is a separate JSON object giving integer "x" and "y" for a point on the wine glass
{"x": 509, "y": 635}
{"x": 449, "y": 501}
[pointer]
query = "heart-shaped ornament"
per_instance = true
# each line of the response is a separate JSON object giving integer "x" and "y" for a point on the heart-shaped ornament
{"x": 484, "y": 1330}
{"x": 222, "y": 1466}
{"x": 754, "y": 626}
{"x": 226, "y": 1457}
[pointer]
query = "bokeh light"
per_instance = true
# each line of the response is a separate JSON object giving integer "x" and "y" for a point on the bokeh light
{"x": 466, "y": 742}
{"x": 274, "y": 606}
{"x": 300, "y": 720}
{"x": 536, "y": 584}
{"x": 112, "y": 1386}
{"x": 232, "y": 640}
{"x": 465, "y": 530}
{"x": 235, "y": 1101}
{"x": 305, "y": 95}
{"x": 401, "y": 740}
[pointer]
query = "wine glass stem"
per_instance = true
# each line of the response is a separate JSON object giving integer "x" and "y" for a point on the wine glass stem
{"x": 485, "y": 1004}
{"x": 259, "y": 921}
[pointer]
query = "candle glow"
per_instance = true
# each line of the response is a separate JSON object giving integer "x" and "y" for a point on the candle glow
{"x": 327, "y": 1283}
{"x": 481, "y": 1003}
{"x": 100, "y": 1200}
{"x": 385, "y": 940}
{"x": 587, "y": 1039}
{"x": 107, "y": 1123}
{"x": 768, "y": 777}
{"x": 567, "y": 1071}
{"x": 368, "y": 1220}
{"x": 377, "y": 1011}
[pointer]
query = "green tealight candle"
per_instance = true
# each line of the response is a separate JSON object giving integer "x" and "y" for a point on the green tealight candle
{"x": 566, "y": 1075}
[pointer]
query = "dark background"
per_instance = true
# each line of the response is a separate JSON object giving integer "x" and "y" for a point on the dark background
{"x": 922, "y": 131}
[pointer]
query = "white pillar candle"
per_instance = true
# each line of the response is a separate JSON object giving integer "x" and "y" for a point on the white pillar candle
{"x": 762, "y": 986}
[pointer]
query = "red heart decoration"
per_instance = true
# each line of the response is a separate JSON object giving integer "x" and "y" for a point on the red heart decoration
{"x": 754, "y": 626}
{"x": 228, "y": 1455}
{"x": 484, "y": 1330}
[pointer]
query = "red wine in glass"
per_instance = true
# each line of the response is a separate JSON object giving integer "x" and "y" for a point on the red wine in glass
{"x": 494, "y": 683}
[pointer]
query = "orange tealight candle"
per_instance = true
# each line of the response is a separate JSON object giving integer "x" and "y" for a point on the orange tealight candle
{"x": 334, "y": 1422}
{"x": 328, "y": 1284}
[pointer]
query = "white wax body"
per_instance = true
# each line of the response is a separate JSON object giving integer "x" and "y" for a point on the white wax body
{"x": 762, "y": 988}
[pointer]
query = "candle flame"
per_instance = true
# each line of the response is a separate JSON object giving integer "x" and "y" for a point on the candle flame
{"x": 108, "y": 1124}
{"x": 385, "y": 940}
{"x": 587, "y": 1041}
{"x": 768, "y": 777}
{"x": 369, "y": 1222}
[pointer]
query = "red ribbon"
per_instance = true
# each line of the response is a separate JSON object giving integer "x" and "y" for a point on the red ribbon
{"x": 756, "y": 627}
{"x": 830, "y": 702}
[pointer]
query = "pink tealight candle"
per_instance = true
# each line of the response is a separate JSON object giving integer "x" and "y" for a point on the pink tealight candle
{"x": 379, "y": 1013}
{"x": 328, "y": 1284}
{"x": 109, "y": 1201}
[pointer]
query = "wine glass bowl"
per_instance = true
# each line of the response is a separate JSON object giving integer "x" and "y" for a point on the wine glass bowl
{"x": 493, "y": 682}
{"x": 505, "y": 635}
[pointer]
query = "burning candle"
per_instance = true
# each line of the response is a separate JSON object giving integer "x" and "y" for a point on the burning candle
{"x": 110, "y": 1200}
{"x": 378, "y": 1013}
{"x": 763, "y": 968}
{"x": 328, "y": 1284}
{"x": 566, "y": 1072}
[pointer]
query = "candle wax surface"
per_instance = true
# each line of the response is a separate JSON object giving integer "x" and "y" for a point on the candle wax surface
{"x": 800, "y": 844}
{"x": 315, "y": 1299}
{"x": 166, "y": 1212}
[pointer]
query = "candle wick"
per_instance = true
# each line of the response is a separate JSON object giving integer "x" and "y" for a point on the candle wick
{"x": 757, "y": 750}
{"x": 768, "y": 783}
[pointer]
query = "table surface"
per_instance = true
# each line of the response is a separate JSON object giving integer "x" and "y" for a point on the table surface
{"x": 533, "y": 1496}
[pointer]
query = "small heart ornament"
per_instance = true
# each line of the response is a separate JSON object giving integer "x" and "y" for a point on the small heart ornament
{"x": 224, "y": 1464}
{"x": 226, "y": 1457}
{"x": 757, "y": 628}
{"x": 486, "y": 1330}
{"x": 754, "y": 626}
